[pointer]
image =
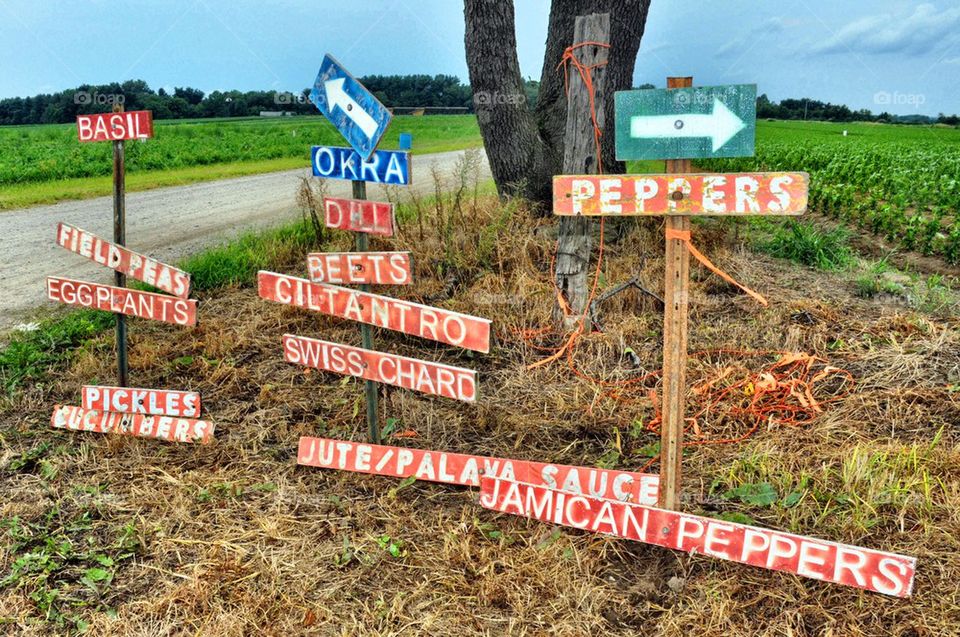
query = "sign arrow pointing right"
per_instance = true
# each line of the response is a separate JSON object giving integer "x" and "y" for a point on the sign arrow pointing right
{"x": 720, "y": 126}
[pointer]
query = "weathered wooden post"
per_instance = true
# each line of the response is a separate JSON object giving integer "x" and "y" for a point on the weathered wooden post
{"x": 676, "y": 296}
{"x": 366, "y": 333}
{"x": 585, "y": 101}
{"x": 120, "y": 238}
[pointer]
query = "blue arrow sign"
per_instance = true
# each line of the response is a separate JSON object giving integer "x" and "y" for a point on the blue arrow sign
{"x": 357, "y": 114}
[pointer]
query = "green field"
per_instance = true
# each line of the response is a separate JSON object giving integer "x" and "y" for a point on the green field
{"x": 44, "y": 164}
{"x": 901, "y": 183}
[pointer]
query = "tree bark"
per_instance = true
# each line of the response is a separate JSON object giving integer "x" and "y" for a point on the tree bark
{"x": 525, "y": 147}
{"x": 580, "y": 157}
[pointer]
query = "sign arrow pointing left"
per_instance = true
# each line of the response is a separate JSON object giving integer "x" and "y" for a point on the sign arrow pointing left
{"x": 337, "y": 98}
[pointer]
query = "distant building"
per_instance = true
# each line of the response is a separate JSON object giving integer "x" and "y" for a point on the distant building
{"x": 277, "y": 113}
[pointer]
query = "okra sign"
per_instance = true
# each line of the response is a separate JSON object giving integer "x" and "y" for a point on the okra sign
{"x": 877, "y": 571}
{"x": 681, "y": 194}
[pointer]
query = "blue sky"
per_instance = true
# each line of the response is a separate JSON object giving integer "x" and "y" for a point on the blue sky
{"x": 903, "y": 57}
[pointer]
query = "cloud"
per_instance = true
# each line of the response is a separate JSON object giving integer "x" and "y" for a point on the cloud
{"x": 769, "y": 26}
{"x": 919, "y": 33}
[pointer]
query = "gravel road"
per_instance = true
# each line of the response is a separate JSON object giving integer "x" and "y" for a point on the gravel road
{"x": 166, "y": 223}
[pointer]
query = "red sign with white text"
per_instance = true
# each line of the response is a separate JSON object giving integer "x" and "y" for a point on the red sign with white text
{"x": 136, "y": 266}
{"x": 348, "y": 268}
{"x": 115, "y": 127}
{"x": 158, "y": 307}
{"x": 150, "y": 402}
{"x": 452, "y": 328}
{"x": 359, "y": 215}
{"x": 682, "y": 194}
{"x": 466, "y": 470}
{"x": 886, "y": 573}
{"x": 422, "y": 376}
{"x": 162, "y": 427}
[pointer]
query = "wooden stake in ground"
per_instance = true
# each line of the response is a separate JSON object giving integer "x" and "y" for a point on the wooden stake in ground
{"x": 580, "y": 157}
{"x": 120, "y": 238}
{"x": 676, "y": 296}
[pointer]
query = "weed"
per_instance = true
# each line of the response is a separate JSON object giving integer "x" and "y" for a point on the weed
{"x": 806, "y": 244}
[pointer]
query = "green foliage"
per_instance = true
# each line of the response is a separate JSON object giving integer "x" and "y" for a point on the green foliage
{"x": 808, "y": 245}
{"x": 761, "y": 494}
{"x": 29, "y": 355}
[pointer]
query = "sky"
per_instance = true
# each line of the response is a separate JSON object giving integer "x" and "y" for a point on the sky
{"x": 885, "y": 55}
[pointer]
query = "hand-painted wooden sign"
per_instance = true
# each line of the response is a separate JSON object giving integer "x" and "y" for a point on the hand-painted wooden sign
{"x": 359, "y": 215}
{"x": 142, "y": 268}
{"x": 391, "y": 167}
{"x": 162, "y": 427}
{"x": 113, "y": 127}
{"x": 150, "y": 402}
{"x": 443, "y": 326}
{"x": 425, "y": 377}
{"x": 357, "y": 114}
{"x": 158, "y": 307}
{"x": 351, "y": 268}
{"x": 466, "y": 470}
{"x": 694, "y": 123}
{"x": 877, "y": 571}
{"x": 681, "y": 194}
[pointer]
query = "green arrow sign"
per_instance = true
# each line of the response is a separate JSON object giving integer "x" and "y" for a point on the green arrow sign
{"x": 686, "y": 123}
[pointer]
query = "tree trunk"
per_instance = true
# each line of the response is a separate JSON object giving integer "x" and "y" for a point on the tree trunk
{"x": 580, "y": 157}
{"x": 525, "y": 147}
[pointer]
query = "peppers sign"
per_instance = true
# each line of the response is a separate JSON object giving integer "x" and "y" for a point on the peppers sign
{"x": 682, "y": 194}
{"x": 115, "y": 127}
{"x": 877, "y": 571}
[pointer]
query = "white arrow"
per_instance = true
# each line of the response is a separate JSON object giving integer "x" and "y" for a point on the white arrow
{"x": 336, "y": 96}
{"x": 720, "y": 125}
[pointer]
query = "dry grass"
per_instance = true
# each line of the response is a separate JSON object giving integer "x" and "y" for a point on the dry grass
{"x": 235, "y": 539}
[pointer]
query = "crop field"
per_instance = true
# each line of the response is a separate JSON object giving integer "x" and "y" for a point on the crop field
{"x": 901, "y": 183}
{"x": 42, "y": 164}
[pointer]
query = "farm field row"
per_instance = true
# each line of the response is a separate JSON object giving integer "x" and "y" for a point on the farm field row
{"x": 45, "y": 164}
{"x": 901, "y": 183}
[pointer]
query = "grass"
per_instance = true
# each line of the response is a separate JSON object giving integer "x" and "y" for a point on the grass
{"x": 46, "y": 164}
{"x": 807, "y": 244}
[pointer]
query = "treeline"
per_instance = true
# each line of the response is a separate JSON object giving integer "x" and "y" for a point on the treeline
{"x": 442, "y": 91}
{"x": 810, "y": 109}
{"x": 185, "y": 102}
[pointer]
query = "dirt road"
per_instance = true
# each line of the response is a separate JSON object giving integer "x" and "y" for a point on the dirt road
{"x": 166, "y": 223}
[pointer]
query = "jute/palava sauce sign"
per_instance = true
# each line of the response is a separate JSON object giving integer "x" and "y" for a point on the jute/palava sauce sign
{"x": 877, "y": 571}
{"x": 162, "y": 427}
{"x": 466, "y": 470}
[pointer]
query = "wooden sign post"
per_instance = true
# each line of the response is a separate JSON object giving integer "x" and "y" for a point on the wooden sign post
{"x": 678, "y": 124}
{"x": 117, "y": 128}
{"x": 371, "y": 392}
